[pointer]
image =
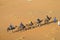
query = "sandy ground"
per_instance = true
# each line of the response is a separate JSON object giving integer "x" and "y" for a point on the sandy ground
{"x": 16, "y": 11}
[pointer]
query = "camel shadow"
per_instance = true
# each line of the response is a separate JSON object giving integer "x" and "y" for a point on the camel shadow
{"x": 49, "y": 23}
{"x": 29, "y": 28}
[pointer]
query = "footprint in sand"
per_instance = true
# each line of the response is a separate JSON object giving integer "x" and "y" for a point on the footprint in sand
{"x": 29, "y": 0}
{"x": 53, "y": 39}
{"x": 21, "y": 38}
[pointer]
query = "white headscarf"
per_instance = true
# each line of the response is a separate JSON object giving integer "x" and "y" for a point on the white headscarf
{"x": 58, "y": 23}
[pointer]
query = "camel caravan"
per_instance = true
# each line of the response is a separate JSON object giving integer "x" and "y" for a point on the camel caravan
{"x": 31, "y": 25}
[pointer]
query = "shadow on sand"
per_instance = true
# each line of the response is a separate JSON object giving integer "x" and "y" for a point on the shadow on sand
{"x": 29, "y": 28}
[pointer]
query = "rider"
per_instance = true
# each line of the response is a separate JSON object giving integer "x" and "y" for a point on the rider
{"x": 11, "y": 26}
{"x": 31, "y": 23}
{"x": 48, "y": 17}
{"x": 22, "y": 25}
{"x": 38, "y": 20}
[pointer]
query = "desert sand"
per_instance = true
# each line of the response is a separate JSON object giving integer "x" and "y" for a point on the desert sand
{"x": 16, "y": 11}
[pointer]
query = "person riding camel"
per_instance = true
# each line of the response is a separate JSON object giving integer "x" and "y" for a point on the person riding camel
{"x": 38, "y": 20}
{"x": 31, "y": 23}
{"x": 48, "y": 17}
{"x": 22, "y": 25}
{"x": 11, "y": 26}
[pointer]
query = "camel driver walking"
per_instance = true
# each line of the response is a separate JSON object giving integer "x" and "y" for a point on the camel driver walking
{"x": 55, "y": 20}
{"x": 58, "y": 23}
